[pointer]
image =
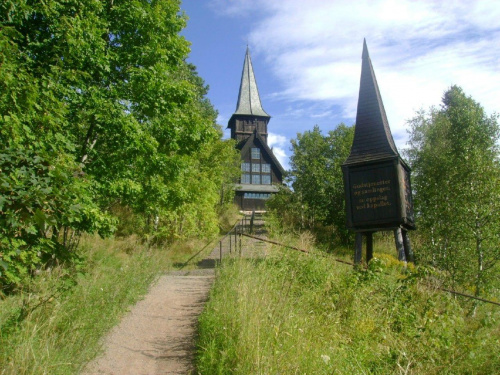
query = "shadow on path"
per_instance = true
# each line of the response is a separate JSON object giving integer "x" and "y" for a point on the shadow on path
{"x": 158, "y": 335}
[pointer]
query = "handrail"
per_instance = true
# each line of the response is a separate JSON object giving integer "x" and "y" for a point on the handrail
{"x": 208, "y": 243}
{"x": 468, "y": 296}
{"x": 230, "y": 230}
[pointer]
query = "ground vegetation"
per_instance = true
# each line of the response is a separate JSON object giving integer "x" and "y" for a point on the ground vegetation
{"x": 454, "y": 154}
{"x": 103, "y": 126}
{"x": 296, "y": 313}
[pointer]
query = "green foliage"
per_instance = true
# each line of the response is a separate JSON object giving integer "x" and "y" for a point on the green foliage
{"x": 98, "y": 110}
{"x": 317, "y": 200}
{"x": 39, "y": 195}
{"x": 456, "y": 176}
{"x": 56, "y": 323}
{"x": 284, "y": 211}
{"x": 293, "y": 313}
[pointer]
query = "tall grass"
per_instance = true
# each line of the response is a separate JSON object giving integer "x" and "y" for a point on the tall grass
{"x": 54, "y": 325}
{"x": 298, "y": 314}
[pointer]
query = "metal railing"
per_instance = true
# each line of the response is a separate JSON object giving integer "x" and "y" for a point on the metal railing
{"x": 233, "y": 238}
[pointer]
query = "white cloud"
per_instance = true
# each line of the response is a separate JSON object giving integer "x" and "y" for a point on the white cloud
{"x": 278, "y": 143}
{"x": 282, "y": 157}
{"x": 276, "y": 140}
{"x": 221, "y": 119}
{"x": 418, "y": 49}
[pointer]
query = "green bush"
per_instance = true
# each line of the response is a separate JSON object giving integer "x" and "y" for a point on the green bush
{"x": 44, "y": 207}
{"x": 55, "y": 322}
{"x": 294, "y": 313}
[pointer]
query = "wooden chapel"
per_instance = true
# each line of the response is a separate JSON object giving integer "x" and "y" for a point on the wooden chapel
{"x": 261, "y": 172}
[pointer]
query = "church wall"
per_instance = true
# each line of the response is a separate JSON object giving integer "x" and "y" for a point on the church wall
{"x": 264, "y": 159}
{"x": 242, "y": 128}
{"x": 246, "y": 204}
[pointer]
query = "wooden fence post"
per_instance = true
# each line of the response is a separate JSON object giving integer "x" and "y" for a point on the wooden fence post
{"x": 398, "y": 237}
{"x": 358, "y": 248}
{"x": 369, "y": 246}
{"x": 407, "y": 246}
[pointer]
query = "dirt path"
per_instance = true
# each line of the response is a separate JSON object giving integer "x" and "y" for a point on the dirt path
{"x": 157, "y": 336}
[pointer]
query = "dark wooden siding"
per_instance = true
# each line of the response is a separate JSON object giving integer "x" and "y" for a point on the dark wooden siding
{"x": 249, "y": 204}
{"x": 243, "y": 127}
{"x": 264, "y": 158}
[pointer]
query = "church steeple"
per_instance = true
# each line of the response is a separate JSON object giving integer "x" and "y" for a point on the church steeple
{"x": 248, "y": 97}
{"x": 372, "y": 138}
{"x": 249, "y": 116}
{"x": 260, "y": 170}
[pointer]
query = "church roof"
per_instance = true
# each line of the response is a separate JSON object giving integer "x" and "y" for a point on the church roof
{"x": 372, "y": 136}
{"x": 247, "y": 143}
{"x": 248, "y": 97}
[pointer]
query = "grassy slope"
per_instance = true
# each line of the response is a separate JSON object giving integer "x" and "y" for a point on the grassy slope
{"x": 297, "y": 314}
{"x": 55, "y": 324}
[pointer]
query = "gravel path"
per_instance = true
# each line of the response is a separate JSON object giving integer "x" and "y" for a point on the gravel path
{"x": 158, "y": 335}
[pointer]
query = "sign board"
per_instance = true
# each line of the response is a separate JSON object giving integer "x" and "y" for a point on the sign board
{"x": 378, "y": 195}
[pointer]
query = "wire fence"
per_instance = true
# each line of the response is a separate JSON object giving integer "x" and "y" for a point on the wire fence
{"x": 454, "y": 292}
{"x": 231, "y": 244}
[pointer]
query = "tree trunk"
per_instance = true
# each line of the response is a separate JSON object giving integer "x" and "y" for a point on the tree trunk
{"x": 88, "y": 145}
{"x": 480, "y": 259}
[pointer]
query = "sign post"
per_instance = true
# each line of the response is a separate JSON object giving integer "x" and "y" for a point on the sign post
{"x": 376, "y": 179}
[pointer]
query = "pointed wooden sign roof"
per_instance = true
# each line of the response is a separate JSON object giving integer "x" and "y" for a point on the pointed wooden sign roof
{"x": 248, "y": 97}
{"x": 372, "y": 137}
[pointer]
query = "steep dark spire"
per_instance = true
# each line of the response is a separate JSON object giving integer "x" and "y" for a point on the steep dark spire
{"x": 248, "y": 97}
{"x": 372, "y": 137}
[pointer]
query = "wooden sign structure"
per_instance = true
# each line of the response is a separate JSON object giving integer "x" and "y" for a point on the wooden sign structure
{"x": 376, "y": 179}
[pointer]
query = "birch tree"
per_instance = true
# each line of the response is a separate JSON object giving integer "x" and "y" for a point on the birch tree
{"x": 454, "y": 156}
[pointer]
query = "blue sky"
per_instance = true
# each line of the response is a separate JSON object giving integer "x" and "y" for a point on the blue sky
{"x": 307, "y": 57}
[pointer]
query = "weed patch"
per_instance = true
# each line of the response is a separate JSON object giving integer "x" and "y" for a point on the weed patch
{"x": 293, "y": 313}
{"x": 55, "y": 323}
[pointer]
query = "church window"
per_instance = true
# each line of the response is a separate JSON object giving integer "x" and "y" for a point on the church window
{"x": 245, "y": 178}
{"x": 256, "y": 195}
{"x": 256, "y": 168}
{"x": 245, "y": 167}
{"x": 266, "y": 168}
{"x": 266, "y": 179}
{"x": 256, "y": 179}
{"x": 255, "y": 153}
